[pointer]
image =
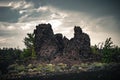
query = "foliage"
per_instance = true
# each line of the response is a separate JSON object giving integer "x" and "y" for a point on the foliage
{"x": 10, "y": 53}
{"x": 29, "y": 43}
{"x": 46, "y": 69}
{"x": 107, "y": 51}
{"x": 26, "y": 53}
{"x": 7, "y": 57}
{"x": 39, "y": 68}
{"x": 98, "y": 64}
{"x": 33, "y": 55}
{"x": 116, "y": 54}
{"x": 84, "y": 65}
{"x": 60, "y": 67}
{"x": 20, "y": 68}
{"x": 16, "y": 68}
{"x": 22, "y": 73}
{"x": 49, "y": 68}
{"x": 30, "y": 66}
{"x": 76, "y": 67}
{"x": 94, "y": 49}
{"x": 29, "y": 40}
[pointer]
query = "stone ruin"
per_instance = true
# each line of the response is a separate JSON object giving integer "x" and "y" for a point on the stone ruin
{"x": 50, "y": 46}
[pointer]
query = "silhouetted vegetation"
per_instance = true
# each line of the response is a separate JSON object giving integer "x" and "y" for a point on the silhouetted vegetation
{"x": 8, "y": 56}
{"x": 107, "y": 51}
{"x": 29, "y": 43}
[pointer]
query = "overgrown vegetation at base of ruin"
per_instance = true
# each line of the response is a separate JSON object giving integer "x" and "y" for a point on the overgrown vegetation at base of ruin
{"x": 19, "y": 71}
{"x": 107, "y": 51}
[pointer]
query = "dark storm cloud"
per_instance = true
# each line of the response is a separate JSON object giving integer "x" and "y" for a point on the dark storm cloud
{"x": 94, "y": 7}
{"x": 8, "y": 15}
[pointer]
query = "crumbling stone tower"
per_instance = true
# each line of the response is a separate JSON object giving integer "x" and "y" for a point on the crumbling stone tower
{"x": 48, "y": 45}
{"x": 45, "y": 43}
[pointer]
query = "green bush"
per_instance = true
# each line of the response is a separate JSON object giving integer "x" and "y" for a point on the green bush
{"x": 94, "y": 49}
{"x": 25, "y": 54}
{"x": 30, "y": 66}
{"x": 30, "y": 70}
{"x": 84, "y": 65}
{"x": 49, "y": 68}
{"x": 60, "y": 67}
{"x": 75, "y": 68}
{"x": 15, "y": 68}
{"x": 20, "y": 68}
{"x": 22, "y": 73}
{"x": 40, "y": 68}
{"x": 98, "y": 64}
{"x": 12, "y": 66}
{"x": 107, "y": 51}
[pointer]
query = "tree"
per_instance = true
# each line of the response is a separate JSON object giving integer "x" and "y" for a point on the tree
{"x": 108, "y": 43}
{"x": 29, "y": 40}
{"x": 107, "y": 50}
{"x": 29, "y": 43}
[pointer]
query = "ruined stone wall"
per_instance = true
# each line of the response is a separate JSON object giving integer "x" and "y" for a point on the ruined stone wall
{"x": 48, "y": 45}
{"x": 79, "y": 45}
{"x": 45, "y": 43}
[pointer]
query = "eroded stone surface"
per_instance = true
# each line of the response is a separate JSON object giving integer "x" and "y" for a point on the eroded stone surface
{"x": 50, "y": 46}
{"x": 45, "y": 42}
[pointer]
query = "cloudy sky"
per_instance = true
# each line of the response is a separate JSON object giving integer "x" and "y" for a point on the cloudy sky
{"x": 99, "y": 18}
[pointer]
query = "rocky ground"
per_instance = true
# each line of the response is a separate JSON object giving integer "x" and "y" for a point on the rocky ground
{"x": 84, "y": 71}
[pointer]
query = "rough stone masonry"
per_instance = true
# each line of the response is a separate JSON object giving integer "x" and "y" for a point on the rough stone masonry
{"x": 49, "y": 46}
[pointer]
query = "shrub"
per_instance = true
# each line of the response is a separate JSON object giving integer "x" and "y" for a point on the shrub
{"x": 84, "y": 65}
{"x": 62, "y": 66}
{"x": 75, "y": 68}
{"x": 49, "y": 68}
{"x": 94, "y": 49}
{"x": 98, "y": 64}
{"x": 22, "y": 73}
{"x": 20, "y": 68}
{"x": 39, "y": 67}
{"x": 12, "y": 66}
{"x": 107, "y": 51}
{"x": 15, "y": 68}
{"x": 30, "y": 66}
{"x": 30, "y": 70}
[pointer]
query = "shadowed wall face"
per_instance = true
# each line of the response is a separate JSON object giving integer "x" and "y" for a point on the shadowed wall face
{"x": 49, "y": 46}
{"x": 45, "y": 44}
